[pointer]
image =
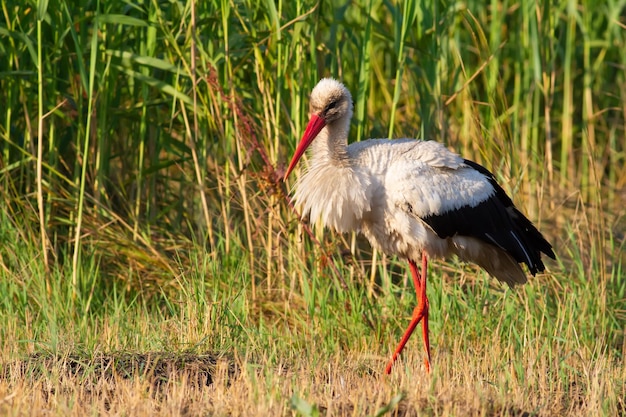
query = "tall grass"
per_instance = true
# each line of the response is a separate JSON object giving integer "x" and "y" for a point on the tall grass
{"x": 141, "y": 151}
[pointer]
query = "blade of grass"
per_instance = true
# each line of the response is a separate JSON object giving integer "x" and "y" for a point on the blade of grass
{"x": 76, "y": 256}
{"x": 42, "y": 5}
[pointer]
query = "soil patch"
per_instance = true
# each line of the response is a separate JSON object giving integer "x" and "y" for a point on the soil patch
{"x": 157, "y": 367}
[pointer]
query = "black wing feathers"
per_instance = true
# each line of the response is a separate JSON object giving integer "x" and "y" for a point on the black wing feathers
{"x": 497, "y": 222}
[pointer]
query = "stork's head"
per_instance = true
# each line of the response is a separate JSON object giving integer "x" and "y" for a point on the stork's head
{"x": 331, "y": 102}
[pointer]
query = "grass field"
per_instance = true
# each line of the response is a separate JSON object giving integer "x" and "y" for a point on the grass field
{"x": 150, "y": 260}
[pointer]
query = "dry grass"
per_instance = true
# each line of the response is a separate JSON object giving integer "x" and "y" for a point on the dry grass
{"x": 463, "y": 382}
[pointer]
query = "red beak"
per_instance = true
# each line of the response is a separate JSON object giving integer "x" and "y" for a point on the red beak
{"x": 312, "y": 129}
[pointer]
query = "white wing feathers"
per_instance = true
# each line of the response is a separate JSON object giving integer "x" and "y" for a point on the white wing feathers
{"x": 433, "y": 180}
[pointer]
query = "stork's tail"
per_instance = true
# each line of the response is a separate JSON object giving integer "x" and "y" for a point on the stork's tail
{"x": 497, "y": 262}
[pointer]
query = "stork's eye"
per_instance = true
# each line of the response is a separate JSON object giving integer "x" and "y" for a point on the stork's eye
{"x": 331, "y": 106}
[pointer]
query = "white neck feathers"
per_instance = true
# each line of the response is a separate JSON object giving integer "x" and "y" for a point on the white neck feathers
{"x": 330, "y": 190}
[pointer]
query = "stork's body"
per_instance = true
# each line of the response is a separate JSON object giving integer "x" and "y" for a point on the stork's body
{"x": 410, "y": 198}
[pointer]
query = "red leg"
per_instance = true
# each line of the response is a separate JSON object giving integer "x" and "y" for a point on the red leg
{"x": 420, "y": 313}
{"x": 424, "y": 301}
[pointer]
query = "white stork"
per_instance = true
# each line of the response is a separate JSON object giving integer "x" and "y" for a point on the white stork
{"x": 410, "y": 198}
